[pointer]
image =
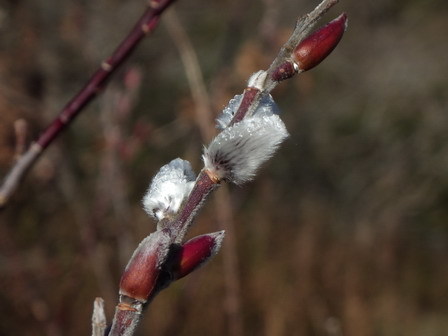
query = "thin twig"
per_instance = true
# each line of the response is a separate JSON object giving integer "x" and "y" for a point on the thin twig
{"x": 99, "y": 322}
{"x": 146, "y": 24}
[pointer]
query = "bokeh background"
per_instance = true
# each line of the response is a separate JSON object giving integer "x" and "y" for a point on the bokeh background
{"x": 343, "y": 233}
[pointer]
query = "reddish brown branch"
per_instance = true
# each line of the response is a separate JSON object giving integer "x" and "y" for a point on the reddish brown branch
{"x": 249, "y": 97}
{"x": 146, "y": 24}
{"x": 205, "y": 184}
{"x": 127, "y": 316}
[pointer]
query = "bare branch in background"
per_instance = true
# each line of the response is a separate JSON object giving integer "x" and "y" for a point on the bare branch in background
{"x": 145, "y": 25}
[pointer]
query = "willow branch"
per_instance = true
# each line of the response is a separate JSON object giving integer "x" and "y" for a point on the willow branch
{"x": 206, "y": 181}
{"x": 225, "y": 160}
{"x": 251, "y": 98}
{"x": 145, "y": 25}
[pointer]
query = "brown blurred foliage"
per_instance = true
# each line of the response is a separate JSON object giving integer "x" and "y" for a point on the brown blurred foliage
{"x": 344, "y": 232}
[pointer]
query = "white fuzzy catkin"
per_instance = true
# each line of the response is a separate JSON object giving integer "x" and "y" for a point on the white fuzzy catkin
{"x": 267, "y": 106}
{"x": 168, "y": 189}
{"x": 237, "y": 152}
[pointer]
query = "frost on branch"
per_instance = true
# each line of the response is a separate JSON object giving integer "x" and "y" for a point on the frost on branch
{"x": 238, "y": 151}
{"x": 168, "y": 189}
{"x": 257, "y": 80}
{"x": 267, "y": 106}
{"x": 228, "y": 112}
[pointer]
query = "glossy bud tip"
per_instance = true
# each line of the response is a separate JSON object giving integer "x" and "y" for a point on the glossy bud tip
{"x": 317, "y": 46}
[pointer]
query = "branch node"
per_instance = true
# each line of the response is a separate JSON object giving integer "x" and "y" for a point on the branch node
{"x": 124, "y": 306}
{"x": 106, "y": 66}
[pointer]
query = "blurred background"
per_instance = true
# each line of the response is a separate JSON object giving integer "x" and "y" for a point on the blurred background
{"x": 343, "y": 233}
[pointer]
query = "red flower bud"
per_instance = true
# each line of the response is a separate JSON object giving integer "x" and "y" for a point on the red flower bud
{"x": 141, "y": 274}
{"x": 196, "y": 252}
{"x": 316, "y": 47}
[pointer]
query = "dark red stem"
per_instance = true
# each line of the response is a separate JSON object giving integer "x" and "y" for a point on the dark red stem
{"x": 126, "y": 319}
{"x": 204, "y": 185}
{"x": 146, "y": 24}
{"x": 247, "y": 102}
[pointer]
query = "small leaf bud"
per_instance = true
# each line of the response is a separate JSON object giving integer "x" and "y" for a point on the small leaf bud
{"x": 196, "y": 252}
{"x": 284, "y": 71}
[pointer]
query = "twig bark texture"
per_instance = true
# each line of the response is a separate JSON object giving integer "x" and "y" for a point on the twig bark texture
{"x": 146, "y": 24}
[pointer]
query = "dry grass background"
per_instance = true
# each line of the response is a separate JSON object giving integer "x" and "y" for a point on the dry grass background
{"x": 344, "y": 232}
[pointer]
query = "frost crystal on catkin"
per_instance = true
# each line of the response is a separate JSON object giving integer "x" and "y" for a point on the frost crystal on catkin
{"x": 237, "y": 152}
{"x": 267, "y": 106}
{"x": 229, "y": 111}
{"x": 168, "y": 189}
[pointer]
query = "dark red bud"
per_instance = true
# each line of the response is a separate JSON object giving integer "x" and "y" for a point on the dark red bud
{"x": 196, "y": 252}
{"x": 284, "y": 71}
{"x": 316, "y": 47}
{"x": 141, "y": 273}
